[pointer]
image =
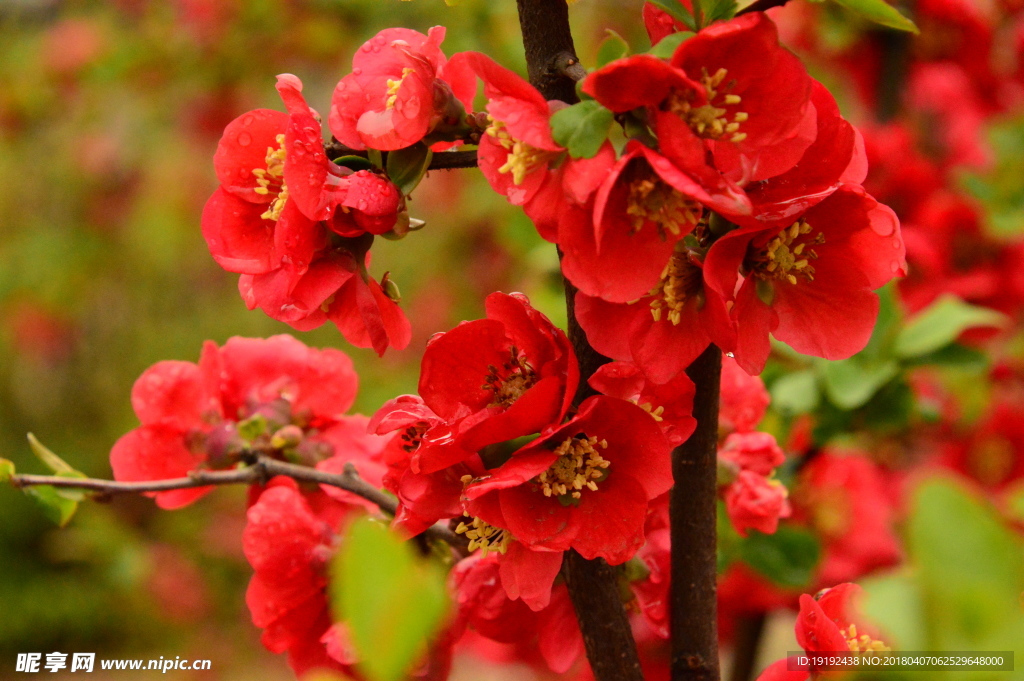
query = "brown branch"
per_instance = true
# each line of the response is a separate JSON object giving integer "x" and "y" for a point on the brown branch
{"x": 442, "y": 160}
{"x": 749, "y": 631}
{"x": 593, "y": 585}
{"x": 761, "y": 6}
{"x": 258, "y": 473}
{"x": 693, "y": 517}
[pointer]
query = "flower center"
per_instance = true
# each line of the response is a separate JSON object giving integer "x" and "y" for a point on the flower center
{"x": 485, "y": 537}
{"x": 652, "y": 199}
{"x": 509, "y": 383}
{"x": 862, "y": 643}
{"x": 413, "y": 435}
{"x": 655, "y": 412}
{"x": 711, "y": 120}
{"x": 788, "y": 256}
{"x": 522, "y": 158}
{"x": 680, "y": 280}
{"x": 271, "y": 180}
{"x": 393, "y": 87}
{"x": 579, "y": 465}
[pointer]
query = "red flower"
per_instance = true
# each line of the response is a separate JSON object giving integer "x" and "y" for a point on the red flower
{"x": 423, "y": 498}
{"x": 189, "y": 412}
{"x": 756, "y": 452}
{"x": 846, "y": 501}
{"x": 753, "y": 501}
{"x": 496, "y": 379}
{"x": 484, "y": 607}
{"x": 289, "y": 546}
{"x": 670, "y": 404}
{"x": 826, "y": 623}
{"x": 585, "y": 485}
{"x": 516, "y": 149}
{"x": 811, "y": 283}
{"x": 400, "y": 90}
{"x": 731, "y": 90}
{"x": 665, "y": 330}
{"x": 272, "y": 220}
{"x": 641, "y": 210}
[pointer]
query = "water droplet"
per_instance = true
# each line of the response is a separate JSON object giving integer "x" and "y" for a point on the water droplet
{"x": 244, "y": 139}
{"x": 243, "y": 173}
{"x": 362, "y": 204}
{"x": 357, "y": 71}
{"x": 894, "y": 266}
{"x": 896, "y": 243}
{"x": 313, "y": 180}
{"x": 248, "y": 120}
{"x": 366, "y": 48}
{"x": 341, "y": 86}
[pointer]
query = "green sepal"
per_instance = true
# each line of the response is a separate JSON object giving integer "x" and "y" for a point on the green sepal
{"x": 406, "y": 167}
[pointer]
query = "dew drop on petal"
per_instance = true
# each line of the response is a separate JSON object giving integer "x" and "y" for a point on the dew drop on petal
{"x": 894, "y": 266}
{"x": 362, "y": 204}
{"x": 248, "y": 120}
{"x": 357, "y": 71}
{"x": 244, "y": 139}
{"x": 896, "y": 243}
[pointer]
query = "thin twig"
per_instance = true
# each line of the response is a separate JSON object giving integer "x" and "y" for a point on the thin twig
{"x": 259, "y": 472}
{"x": 761, "y": 6}
{"x": 442, "y": 160}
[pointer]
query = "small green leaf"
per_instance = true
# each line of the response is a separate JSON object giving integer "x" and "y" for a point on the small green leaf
{"x": 582, "y": 128}
{"x": 850, "y": 383}
{"x": 668, "y": 45}
{"x": 6, "y": 470}
{"x": 613, "y": 47}
{"x": 954, "y": 355}
{"x": 941, "y": 323}
{"x": 787, "y": 557}
{"x": 57, "y": 507}
{"x": 252, "y": 427}
{"x": 391, "y": 600}
{"x": 406, "y": 167}
{"x": 796, "y": 393}
{"x": 52, "y": 461}
{"x": 716, "y": 10}
{"x": 880, "y": 12}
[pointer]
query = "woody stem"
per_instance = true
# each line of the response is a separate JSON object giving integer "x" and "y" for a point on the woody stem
{"x": 693, "y": 517}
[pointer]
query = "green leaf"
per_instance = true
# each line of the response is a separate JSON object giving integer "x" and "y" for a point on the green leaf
{"x": 406, "y": 167}
{"x": 56, "y": 506}
{"x": 52, "y": 461}
{"x": 787, "y": 557}
{"x": 941, "y": 323}
{"x": 252, "y": 427}
{"x": 956, "y": 356}
{"x": 796, "y": 393}
{"x": 968, "y": 563}
{"x": 850, "y": 383}
{"x": 613, "y": 47}
{"x": 582, "y": 128}
{"x": 716, "y": 10}
{"x": 880, "y": 12}
{"x": 375, "y": 157}
{"x": 677, "y": 11}
{"x": 668, "y": 45}
{"x": 6, "y": 470}
{"x": 391, "y": 600}
{"x": 354, "y": 162}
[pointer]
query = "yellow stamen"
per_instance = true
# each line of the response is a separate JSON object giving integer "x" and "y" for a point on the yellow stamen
{"x": 485, "y": 537}
{"x": 862, "y": 643}
{"x": 579, "y": 465}
{"x": 271, "y": 179}
{"x": 710, "y": 120}
{"x": 394, "y": 86}
{"x": 522, "y": 158}
{"x": 788, "y": 256}
{"x": 651, "y": 199}
{"x": 680, "y": 280}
